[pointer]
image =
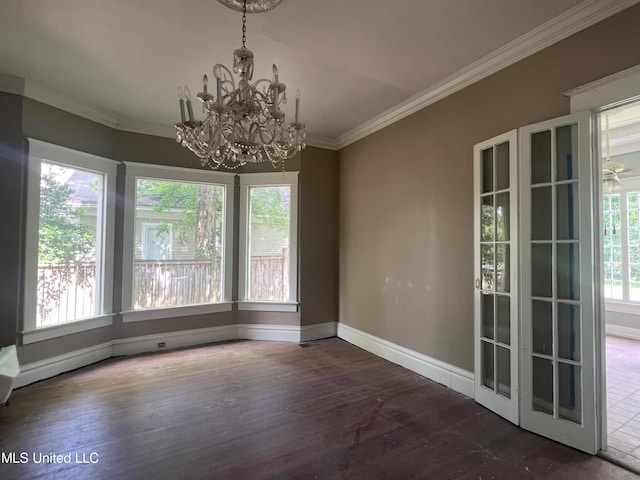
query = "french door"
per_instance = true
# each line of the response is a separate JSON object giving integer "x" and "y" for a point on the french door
{"x": 536, "y": 264}
{"x": 496, "y": 295}
{"x": 557, "y": 272}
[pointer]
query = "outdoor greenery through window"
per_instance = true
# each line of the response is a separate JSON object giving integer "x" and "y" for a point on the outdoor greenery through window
{"x": 68, "y": 247}
{"x": 268, "y": 243}
{"x": 178, "y": 244}
{"x": 621, "y": 237}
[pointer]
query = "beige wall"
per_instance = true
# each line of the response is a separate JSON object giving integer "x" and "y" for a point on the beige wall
{"x": 406, "y": 193}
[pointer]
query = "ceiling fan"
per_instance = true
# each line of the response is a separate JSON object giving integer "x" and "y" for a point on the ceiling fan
{"x": 611, "y": 170}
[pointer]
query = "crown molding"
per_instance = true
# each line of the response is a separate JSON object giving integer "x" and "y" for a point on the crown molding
{"x": 572, "y": 21}
{"x": 45, "y": 95}
{"x": 322, "y": 142}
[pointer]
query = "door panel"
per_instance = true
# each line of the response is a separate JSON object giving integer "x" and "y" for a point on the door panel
{"x": 557, "y": 270}
{"x": 496, "y": 301}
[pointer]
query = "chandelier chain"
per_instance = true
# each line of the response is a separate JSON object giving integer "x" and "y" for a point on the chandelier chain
{"x": 244, "y": 23}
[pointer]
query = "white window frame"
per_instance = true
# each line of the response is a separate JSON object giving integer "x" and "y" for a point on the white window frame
{"x": 40, "y": 151}
{"x": 173, "y": 174}
{"x": 275, "y": 179}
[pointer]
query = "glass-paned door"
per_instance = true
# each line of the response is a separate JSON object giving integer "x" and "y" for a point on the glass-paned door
{"x": 496, "y": 297}
{"x": 557, "y": 301}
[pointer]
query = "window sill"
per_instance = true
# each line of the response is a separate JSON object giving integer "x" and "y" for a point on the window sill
{"x": 268, "y": 306}
{"x": 622, "y": 307}
{"x": 172, "y": 312}
{"x": 46, "y": 333}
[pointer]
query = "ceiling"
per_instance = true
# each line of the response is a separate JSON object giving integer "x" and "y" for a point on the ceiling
{"x": 359, "y": 64}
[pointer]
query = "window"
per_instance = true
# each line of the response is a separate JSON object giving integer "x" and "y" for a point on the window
{"x": 621, "y": 240}
{"x": 69, "y": 254}
{"x": 268, "y": 253}
{"x": 178, "y": 241}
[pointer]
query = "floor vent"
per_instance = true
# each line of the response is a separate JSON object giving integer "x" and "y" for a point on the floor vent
{"x": 309, "y": 344}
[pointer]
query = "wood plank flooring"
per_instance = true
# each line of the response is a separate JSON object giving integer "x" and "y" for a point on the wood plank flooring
{"x": 268, "y": 410}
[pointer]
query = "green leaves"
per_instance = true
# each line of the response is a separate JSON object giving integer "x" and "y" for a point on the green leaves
{"x": 63, "y": 238}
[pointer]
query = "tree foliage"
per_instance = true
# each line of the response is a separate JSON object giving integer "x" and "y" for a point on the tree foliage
{"x": 270, "y": 205}
{"x": 63, "y": 239}
{"x": 201, "y": 207}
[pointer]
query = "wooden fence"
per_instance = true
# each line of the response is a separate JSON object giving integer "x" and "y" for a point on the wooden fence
{"x": 171, "y": 283}
{"x": 67, "y": 292}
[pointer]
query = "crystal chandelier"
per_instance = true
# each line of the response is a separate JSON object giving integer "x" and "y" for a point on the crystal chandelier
{"x": 243, "y": 123}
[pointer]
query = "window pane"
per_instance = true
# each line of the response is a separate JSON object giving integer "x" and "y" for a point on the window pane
{"x": 566, "y": 146}
{"x": 541, "y": 157}
{"x": 612, "y": 241}
{"x": 570, "y": 392}
{"x": 268, "y": 243}
{"x": 502, "y": 166}
{"x": 178, "y": 247}
{"x": 541, "y": 220}
{"x": 487, "y": 170}
{"x": 70, "y": 208}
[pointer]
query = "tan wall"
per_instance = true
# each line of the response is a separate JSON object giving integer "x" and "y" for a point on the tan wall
{"x": 406, "y": 193}
{"x": 318, "y": 236}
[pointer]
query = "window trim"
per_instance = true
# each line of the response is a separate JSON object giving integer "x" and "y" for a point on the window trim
{"x": 268, "y": 179}
{"x": 174, "y": 174}
{"x": 40, "y": 151}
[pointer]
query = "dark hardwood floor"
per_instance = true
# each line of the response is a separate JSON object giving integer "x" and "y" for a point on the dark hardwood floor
{"x": 269, "y": 410}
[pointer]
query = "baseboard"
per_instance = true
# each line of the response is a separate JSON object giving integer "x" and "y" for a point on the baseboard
{"x": 316, "y": 332}
{"x": 274, "y": 333}
{"x": 185, "y": 338}
{"x": 620, "y": 331}
{"x": 458, "y": 379}
{"x": 50, "y": 367}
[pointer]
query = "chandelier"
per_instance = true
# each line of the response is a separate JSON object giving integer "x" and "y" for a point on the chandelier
{"x": 243, "y": 122}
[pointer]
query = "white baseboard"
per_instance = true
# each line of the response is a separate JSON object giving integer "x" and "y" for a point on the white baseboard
{"x": 186, "y": 338}
{"x": 316, "y": 332}
{"x": 620, "y": 331}
{"x": 274, "y": 333}
{"x": 50, "y": 367}
{"x": 456, "y": 378}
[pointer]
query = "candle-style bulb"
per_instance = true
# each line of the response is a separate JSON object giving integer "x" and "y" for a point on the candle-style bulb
{"x": 217, "y": 72}
{"x": 275, "y": 74}
{"x": 205, "y": 82}
{"x": 187, "y": 94}
{"x": 298, "y": 106}
{"x": 181, "y": 104}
